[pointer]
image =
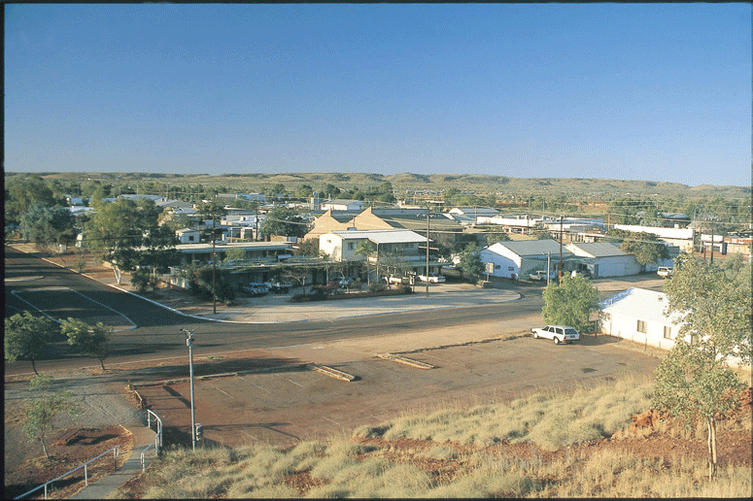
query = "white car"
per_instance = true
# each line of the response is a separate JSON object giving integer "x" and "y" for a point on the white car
{"x": 561, "y": 334}
{"x": 665, "y": 271}
{"x": 434, "y": 279}
{"x": 539, "y": 275}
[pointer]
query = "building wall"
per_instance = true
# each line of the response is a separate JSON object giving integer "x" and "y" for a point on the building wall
{"x": 617, "y": 266}
{"x": 626, "y": 327}
{"x": 506, "y": 264}
{"x": 331, "y": 245}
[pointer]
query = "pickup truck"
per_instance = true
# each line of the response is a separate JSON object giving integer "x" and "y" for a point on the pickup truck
{"x": 561, "y": 334}
{"x": 393, "y": 279}
{"x": 432, "y": 278}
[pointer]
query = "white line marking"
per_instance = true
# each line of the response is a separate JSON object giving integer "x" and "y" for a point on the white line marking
{"x": 290, "y": 381}
{"x": 261, "y": 388}
{"x": 223, "y": 391}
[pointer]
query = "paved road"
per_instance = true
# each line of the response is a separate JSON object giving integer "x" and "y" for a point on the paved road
{"x": 345, "y": 335}
{"x": 158, "y": 332}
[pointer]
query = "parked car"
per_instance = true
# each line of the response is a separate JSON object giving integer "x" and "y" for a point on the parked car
{"x": 582, "y": 273}
{"x": 278, "y": 287}
{"x": 561, "y": 334}
{"x": 394, "y": 279}
{"x": 538, "y": 275}
{"x": 433, "y": 278}
{"x": 255, "y": 289}
{"x": 665, "y": 271}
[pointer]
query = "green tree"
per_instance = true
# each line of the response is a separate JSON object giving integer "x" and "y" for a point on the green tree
{"x": 646, "y": 247}
{"x": 24, "y": 191}
{"x": 42, "y": 409}
{"x": 470, "y": 262}
{"x": 48, "y": 225}
{"x": 142, "y": 280}
{"x": 27, "y": 337}
{"x": 113, "y": 229}
{"x": 93, "y": 339}
{"x": 492, "y": 237}
{"x": 310, "y": 247}
{"x": 235, "y": 254}
{"x": 694, "y": 381}
{"x": 283, "y": 222}
{"x": 570, "y": 303}
{"x": 368, "y": 250}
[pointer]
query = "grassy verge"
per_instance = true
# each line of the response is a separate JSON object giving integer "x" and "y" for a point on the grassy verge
{"x": 529, "y": 447}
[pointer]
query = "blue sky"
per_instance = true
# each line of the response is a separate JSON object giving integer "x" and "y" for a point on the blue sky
{"x": 613, "y": 91}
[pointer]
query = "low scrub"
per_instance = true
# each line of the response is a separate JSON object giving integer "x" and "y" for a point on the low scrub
{"x": 534, "y": 446}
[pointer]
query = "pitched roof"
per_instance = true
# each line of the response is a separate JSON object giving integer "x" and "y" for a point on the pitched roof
{"x": 531, "y": 247}
{"x": 596, "y": 249}
{"x": 640, "y": 303}
{"x": 382, "y": 236}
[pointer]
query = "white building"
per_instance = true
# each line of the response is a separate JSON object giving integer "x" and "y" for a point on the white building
{"x": 188, "y": 236}
{"x": 519, "y": 259}
{"x": 679, "y": 237}
{"x": 471, "y": 215}
{"x": 336, "y": 205}
{"x": 639, "y": 315}
{"x": 342, "y": 245}
{"x": 603, "y": 259}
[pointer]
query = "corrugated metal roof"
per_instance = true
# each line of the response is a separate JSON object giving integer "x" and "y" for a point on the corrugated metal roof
{"x": 596, "y": 249}
{"x": 382, "y": 236}
{"x": 642, "y": 304}
{"x": 532, "y": 247}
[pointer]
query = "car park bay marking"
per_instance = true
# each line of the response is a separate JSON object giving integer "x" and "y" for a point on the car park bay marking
{"x": 260, "y": 387}
{"x": 222, "y": 391}
{"x": 291, "y": 381}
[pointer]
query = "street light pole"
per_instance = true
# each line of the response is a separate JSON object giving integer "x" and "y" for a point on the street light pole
{"x": 214, "y": 267}
{"x": 548, "y": 261}
{"x": 189, "y": 343}
{"x": 427, "y": 251}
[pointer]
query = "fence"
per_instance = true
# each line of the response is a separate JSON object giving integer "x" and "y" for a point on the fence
{"x": 116, "y": 452}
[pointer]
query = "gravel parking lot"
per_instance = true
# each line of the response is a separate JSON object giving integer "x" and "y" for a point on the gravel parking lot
{"x": 296, "y": 403}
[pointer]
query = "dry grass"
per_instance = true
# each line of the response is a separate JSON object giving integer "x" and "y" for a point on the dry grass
{"x": 550, "y": 420}
{"x": 458, "y": 452}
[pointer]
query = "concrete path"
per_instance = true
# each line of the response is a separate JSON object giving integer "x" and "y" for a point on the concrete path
{"x": 100, "y": 489}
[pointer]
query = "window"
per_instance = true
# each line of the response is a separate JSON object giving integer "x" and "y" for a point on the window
{"x": 190, "y": 238}
{"x": 641, "y": 326}
{"x": 510, "y": 268}
{"x": 667, "y": 332}
{"x": 351, "y": 245}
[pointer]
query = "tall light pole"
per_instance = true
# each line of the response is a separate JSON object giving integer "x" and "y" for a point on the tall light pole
{"x": 214, "y": 266}
{"x": 548, "y": 261}
{"x": 427, "y": 251}
{"x": 561, "y": 235}
{"x": 189, "y": 343}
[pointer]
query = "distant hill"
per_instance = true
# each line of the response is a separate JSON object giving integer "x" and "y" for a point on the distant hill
{"x": 481, "y": 184}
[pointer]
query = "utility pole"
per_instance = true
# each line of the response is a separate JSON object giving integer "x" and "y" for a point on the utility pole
{"x": 189, "y": 343}
{"x": 560, "y": 273}
{"x": 427, "y": 251}
{"x": 214, "y": 266}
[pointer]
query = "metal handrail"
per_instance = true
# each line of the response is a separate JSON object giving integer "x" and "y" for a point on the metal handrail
{"x": 84, "y": 466}
{"x": 157, "y": 442}
{"x": 149, "y": 414}
{"x": 154, "y": 444}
